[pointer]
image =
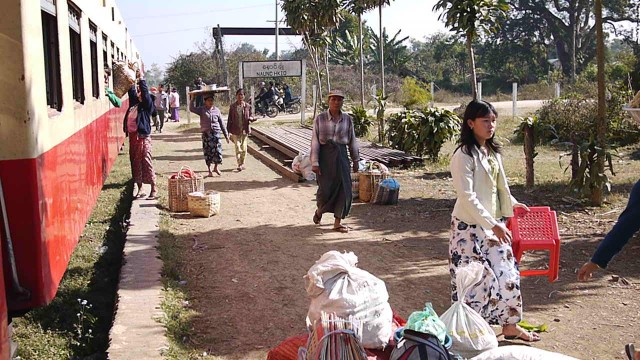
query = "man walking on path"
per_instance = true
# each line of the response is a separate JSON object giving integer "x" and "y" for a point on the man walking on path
{"x": 627, "y": 225}
{"x": 238, "y": 126}
{"x": 333, "y": 135}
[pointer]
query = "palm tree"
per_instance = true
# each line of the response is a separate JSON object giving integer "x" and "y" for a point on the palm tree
{"x": 396, "y": 54}
{"x": 359, "y": 7}
{"x": 313, "y": 20}
{"x": 470, "y": 17}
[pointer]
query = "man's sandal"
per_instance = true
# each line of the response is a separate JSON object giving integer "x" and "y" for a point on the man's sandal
{"x": 342, "y": 228}
{"x": 630, "y": 350}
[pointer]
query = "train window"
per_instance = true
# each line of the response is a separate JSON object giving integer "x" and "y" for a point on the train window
{"x": 76, "y": 54}
{"x": 93, "y": 43}
{"x": 51, "y": 55}
{"x": 105, "y": 56}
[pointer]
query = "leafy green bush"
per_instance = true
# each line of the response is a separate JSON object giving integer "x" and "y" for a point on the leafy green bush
{"x": 422, "y": 132}
{"x": 541, "y": 130}
{"x": 574, "y": 118}
{"x": 413, "y": 94}
{"x": 361, "y": 121}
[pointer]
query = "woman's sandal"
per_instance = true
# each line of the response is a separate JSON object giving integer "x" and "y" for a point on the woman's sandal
{"x": 316, "y": 218}
{"x": 524, "y": 335}
{"x": 153, "y": 196}
{"x": 342, "y": 229}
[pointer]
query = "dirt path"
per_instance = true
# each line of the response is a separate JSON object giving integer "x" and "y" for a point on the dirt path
{"x": 245, "y": 277}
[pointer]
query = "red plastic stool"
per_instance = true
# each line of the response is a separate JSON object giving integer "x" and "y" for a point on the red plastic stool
{"x": 536, "y": 229}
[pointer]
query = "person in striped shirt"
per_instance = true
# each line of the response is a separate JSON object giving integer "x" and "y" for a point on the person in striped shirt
{"x": 332, "y": 142}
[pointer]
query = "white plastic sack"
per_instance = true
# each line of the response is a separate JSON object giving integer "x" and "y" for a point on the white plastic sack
{"x": 337, "y": 286}
{"x": 471, "y": 334}
{"x": 520, "y": 352}
{"x": 295, "y": 165}
{"x": 302, "y": 165}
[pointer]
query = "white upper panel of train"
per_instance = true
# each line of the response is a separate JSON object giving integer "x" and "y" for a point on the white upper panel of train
{"x": 52, "y": 59}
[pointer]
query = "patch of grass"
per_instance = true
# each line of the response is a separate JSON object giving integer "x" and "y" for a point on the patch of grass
{"x": 57, "y": 331}
{"x": 177, "y": 314}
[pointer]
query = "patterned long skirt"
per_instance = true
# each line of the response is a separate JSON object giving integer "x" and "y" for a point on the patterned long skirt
{"x": 141, "y": 159}
{"x": 497, "y": 297}
{"x": 212, "y": 148}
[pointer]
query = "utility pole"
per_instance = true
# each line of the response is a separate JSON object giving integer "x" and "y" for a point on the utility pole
{"x": 277, "y": 31}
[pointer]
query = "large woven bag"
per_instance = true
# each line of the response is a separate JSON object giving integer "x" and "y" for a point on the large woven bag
{"x": 122, "y": 80}
{"x": 387, "y": 192}
{"x": 204, "y": 204}
{"x": 369, "y": 184}
{"x": 181, "y": 184}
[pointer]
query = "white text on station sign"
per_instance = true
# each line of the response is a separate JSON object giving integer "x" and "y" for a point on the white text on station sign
{"x": 261, "y": 69}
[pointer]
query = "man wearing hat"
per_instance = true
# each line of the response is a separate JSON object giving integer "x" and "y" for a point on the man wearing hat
{"x": 333, "y": 135}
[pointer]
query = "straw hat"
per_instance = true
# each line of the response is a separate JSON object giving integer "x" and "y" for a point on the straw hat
{"x": 335, "y": 92}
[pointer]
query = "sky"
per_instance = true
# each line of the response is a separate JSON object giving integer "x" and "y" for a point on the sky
{"x": 163, "y": 32}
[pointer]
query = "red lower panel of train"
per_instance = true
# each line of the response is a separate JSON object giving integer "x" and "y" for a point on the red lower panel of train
{"x": 49, "y": 200}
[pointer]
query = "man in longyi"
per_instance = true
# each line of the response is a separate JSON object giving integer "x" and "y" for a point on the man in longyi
{"x": 333, "y": 135}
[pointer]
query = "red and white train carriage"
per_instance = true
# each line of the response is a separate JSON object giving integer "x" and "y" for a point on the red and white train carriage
{"x": 59, "y": 136}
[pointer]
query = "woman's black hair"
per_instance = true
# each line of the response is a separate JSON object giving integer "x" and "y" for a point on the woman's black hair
{"x": 476, "y": 109}
{"x": 241, "y": 90}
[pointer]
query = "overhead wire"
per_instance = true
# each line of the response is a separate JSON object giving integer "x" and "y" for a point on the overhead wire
{"x": 197, "y": 12}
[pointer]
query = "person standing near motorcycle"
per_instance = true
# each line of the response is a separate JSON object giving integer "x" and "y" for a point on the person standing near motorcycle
{"x": 287, "y": 94}
{"x": 238, "y": 126}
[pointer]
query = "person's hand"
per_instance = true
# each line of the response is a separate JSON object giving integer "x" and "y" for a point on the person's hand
{"x": 522, "y": 206}
{"x": 356, "y": 167}
{"x": 502, "y": 233}
{"x": 316, "y": 170}
{"x": 586, "y": 271}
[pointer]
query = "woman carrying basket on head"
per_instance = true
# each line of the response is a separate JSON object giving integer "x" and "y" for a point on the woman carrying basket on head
{"x": 137, "y": 126}
{"x": 478, "y": 233}
{"x": 212, "y": 130}
{"x": 333, "y": 136}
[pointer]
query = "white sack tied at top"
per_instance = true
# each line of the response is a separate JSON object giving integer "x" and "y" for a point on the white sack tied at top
{"x": 336, "y": 285}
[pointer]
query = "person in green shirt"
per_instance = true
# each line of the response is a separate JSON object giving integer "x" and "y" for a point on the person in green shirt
{"x": 115, "y": 101}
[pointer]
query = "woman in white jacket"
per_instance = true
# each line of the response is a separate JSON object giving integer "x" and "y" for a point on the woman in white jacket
{"x": 478, "y": 232}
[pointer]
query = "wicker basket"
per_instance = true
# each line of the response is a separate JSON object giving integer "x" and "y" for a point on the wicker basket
{"x": 179, "y": 189}
{"x": 369, "y": 184}
{"x": 634, "y": 112}
{"x": 122, "y": 80}
{"x": 204, "y": 204}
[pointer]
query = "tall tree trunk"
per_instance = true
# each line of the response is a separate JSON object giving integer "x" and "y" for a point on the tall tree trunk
{"x": 472, "y": 63}
{"x": 360, "y": 45}
{"x": 573, "y": 23}
{"x": 575, "y": 157}
{"x": 381, "y": 46}
{"x": 597, "y": 189}
{"x": 529, "y": 153}
{"x": 326, "y": 67}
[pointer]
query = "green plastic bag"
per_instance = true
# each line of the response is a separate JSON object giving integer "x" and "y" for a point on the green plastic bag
{"x": 428, "y": 322}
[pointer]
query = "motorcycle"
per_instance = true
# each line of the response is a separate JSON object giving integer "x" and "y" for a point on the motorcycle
{"x": 290, "y": 107}
{"x": 270, "y": 109}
